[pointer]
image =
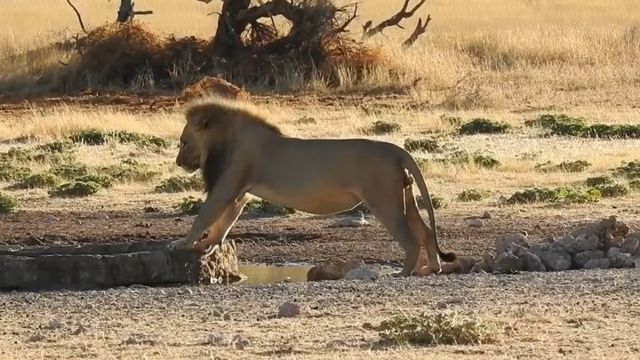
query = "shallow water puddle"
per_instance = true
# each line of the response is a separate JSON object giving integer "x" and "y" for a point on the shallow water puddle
{"x": 266, "y": 274}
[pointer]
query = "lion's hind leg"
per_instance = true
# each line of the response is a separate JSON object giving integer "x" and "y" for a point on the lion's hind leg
{"x": 424, "y": 235}
{"x": 390, "y": 211}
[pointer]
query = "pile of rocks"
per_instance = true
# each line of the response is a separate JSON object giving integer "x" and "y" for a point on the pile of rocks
{"x": 601, "y": 245}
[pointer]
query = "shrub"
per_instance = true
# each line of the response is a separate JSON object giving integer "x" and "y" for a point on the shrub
{"x": 634, "y": 185}
{"x": 56, "y": 147}
{"x": 483, "y": 126}
{"x": 130, "y": 170}
{"x": 562, "y": 194}
{"x": 105, "y": 181}
{"x": 22, "y": 155}
{"x": 436, "y": 201}
{"x": 569, "y": 126}
{"x": 612, "y": 190}
{"x": 473, "y": 195}
{"x": 190, "y": 205}
{"x": 456, "y": 158}
{"x": 75, "y": 189}
{"x": 630, "y": 170}
{"x": 566, "y": 166}
{"x": 382, "y": 128}
{"x": 41, "y": 180}
{"x": 70, "y": 171}
{"x": 432, "y": 329}
{"x": 426, "y": 145}
{"x": 10, "y": 172}
{"x": 7, "y": 204}
{"x": 265, "y": 208}
{"x": 98, "y": 137}
{"x": 177, "y": 184}
{"x": 599, "y": 180}
{"x": 486, "y": 161}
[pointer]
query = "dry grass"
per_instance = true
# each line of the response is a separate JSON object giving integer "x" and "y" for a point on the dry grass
{"x": 510, "y": 53}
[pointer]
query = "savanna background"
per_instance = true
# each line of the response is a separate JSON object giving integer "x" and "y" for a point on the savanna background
{"x": 468, "y": 99}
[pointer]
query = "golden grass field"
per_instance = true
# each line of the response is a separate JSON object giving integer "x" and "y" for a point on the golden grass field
{"x": 505, "y": 60}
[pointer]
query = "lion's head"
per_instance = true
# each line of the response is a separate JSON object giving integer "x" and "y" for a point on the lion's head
{"x": 212, "y": 129}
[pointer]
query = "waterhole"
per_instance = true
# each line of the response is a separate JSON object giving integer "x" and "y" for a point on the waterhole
{"x": 266, "y": 274}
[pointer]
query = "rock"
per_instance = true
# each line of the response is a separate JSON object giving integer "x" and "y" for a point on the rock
{"x": 334, "y": 270}
{"x": 238, "y": 342}
{"x": 355, "y": 221}
{"x": 588, "y": 242}
{"x": 36, "y": 337}
{"x": 362, "y": 273}
{"x": 566, "y": 243}
{"x": 289, "y": 310}
{"x": 539, "y": 248}
{"x": 507, "y": 263}
{"x": 531, "y": 261}
{"x": 511, "y": 241}
{"x": 630, "y": 245}
{"x": 79, "y": 330}
{"x": 334, "y": 345}
{"x": 484, "y": 265}
{"x": 54, "y": 324}
{"x": 215, "y": 340}
{"x": 462, "y": 265}
{"x": 597, "y": 264}
{"x": 487, "y": 215}
{"x": 556, "y": 261}
{"x": 474, "y": 222}
{"x": 636, "y": 262}
{"x": 581, "y": 258}
{"x": 619, "y": 259}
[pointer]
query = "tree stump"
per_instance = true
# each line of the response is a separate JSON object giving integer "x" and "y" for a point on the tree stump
{"x": 99, "y": 266}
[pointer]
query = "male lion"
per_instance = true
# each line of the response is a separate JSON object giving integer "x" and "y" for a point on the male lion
{"x": 240, "y": 153}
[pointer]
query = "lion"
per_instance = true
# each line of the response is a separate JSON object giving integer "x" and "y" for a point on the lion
{"x": 240, "y": 154}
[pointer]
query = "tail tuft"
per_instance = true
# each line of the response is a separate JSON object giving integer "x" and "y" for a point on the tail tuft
{"x": 447, "y": 257}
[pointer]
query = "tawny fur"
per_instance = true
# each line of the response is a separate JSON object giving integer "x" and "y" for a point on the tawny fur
{"x": 241, "y": 153}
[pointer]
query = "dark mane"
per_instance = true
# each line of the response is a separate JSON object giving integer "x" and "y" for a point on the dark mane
{"x": 233, "y": 110}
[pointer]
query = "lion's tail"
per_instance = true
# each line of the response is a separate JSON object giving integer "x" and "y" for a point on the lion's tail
{"x": 410, "y": 164}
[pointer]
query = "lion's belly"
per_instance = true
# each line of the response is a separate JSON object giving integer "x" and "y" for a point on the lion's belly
{"x": 326, "y": 201}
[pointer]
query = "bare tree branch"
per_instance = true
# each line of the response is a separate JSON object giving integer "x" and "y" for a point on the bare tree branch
{"x": 78, "y": 15}
{"x": 419, "y": 30}
{"x": 393, "y": 20}
{"x": 126, "y": 12}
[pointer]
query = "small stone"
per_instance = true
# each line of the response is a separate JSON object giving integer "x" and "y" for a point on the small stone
{"x": 36, "y": 337}
{"x": 215, "y": 340}
{"x": 362, "y": 273}
{"x": 335, "y": 345}
{"x": 335, "y": 270}
{"x": 509, "y": 242}
{"x": 507, "y": 263}
{"x": 619, "y": 259}
{"x": 630, "y": 245}
{"x": 54, "y": 324}
{"x": 441, "y": 305}
{"x": 238, "y": 342}
{"x": 487, "y": 215}
{"x": 531, "y": 261}
{"x": 556, "y": 261}
{"x": 289, "y": 310}
{"x": 356, "y": 221}
{"x": 474, "y": 222}
{"x": 226, "y": 316}
{"x": 581, "y": 258}
{"x": 587, "y": 242}
{"x": 79, "y": 330}
{"x": 566, "y": 243}
{"x": 603, "y": 263}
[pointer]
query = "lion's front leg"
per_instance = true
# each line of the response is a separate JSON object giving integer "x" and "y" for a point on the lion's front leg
{"x": 220, "y": 228}
{"x": 212, "y": 209}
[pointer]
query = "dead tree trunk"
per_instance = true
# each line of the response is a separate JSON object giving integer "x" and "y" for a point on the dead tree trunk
{"x": 126, "y": 12}
{"x": 227, "y": 38}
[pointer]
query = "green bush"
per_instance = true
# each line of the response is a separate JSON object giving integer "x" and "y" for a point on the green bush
{"x": 437, "y": 202}
{"x": 612, "y": 190}
{"x": 473, "y": 195}
{"x": 265, "y": 208}
{"x": 426, "y": 145}
{"x": 486, "y": 161}
{"x": 56, "y": 147}
{"x": 40, "y": 180}
{"x": 599, "y": 180}
{"x": 566, "y": 166}
{"x": 382, "y": 128}
{"x": 75, "y": 189}
{"x": 9, "y": 172}
{"x": 561, "y": 194}
{"x": 190, "y": 205}
{"x": 176, "y": 184}
{"x": 432, "y": 329}
{"x": 634, "y": 185}
{"x": 563, "y": 125}
{"x": 105, "y": 181}
{"x": 23, "y": 155}
{"x": 129, "y": 171}
{"x": 98, "y": 137}
{"x": 483, "y": 126}
{"x": 7, "y": 204}
{"x": 70, "y": 171}
{"x": 630, "y": 170}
